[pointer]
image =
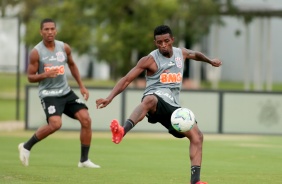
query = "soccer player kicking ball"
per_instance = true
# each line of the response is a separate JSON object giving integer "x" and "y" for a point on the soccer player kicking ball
{"x": 47, "y": 67}
{"x": 164, "y": 73}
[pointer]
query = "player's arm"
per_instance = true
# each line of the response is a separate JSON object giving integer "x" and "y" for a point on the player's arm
{"x": 142, "y": 65}
{"x": 32, "y": 70}
{"x": 198, "y": 56}
{"x": 75, "y": 73}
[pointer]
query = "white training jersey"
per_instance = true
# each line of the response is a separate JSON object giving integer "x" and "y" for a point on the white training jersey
{"x": 167, "y": 81}
{"x": 49, "y": 60}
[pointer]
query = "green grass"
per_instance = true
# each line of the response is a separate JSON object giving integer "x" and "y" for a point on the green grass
{"x": 8, "y": 109}
{"x": 142, "y": 158}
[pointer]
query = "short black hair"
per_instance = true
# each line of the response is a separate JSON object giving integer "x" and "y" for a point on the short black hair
{"x": 45, "y": 21}
{"x": 162, "y": 29}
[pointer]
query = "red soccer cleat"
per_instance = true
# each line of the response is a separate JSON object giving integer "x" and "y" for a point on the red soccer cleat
{"x": 201, "y": 182}
{"x": 117, "y": 131}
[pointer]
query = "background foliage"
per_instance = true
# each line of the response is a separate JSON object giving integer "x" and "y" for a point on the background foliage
{"x": 119, "y": 32}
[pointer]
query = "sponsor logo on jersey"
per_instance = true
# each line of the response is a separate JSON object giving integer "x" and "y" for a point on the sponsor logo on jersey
{"x": 53, "y": 59}
{"x": 178, "y": 62}
{"x": 60, "y": 56}
{"x": 171, "y": 78}
{"x": 47, "y": 64}
{"x": 44, "y": 58}
{"x": 61, "y": 69}
{"x": 160, "y": 93}
{"x": 52, "y": 92}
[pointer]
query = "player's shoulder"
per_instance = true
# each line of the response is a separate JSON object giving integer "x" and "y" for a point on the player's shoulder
{"x": 147, "y": 58}
{"x": 63, "y": 45}
{"x": 59, "y": 42}
{"x": 145, "y": 61}
{"x": 181, "y": 49}
{"x": 34, "y": 54}
{"x": 37, "y": 48}
{"x": 39, "y": 45}
{"x": 185, "y": 52}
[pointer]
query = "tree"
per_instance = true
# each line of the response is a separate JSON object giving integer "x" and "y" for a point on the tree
{"x": 119, "y": 32}
{"x": 125, "y": 27}
{"x": 72, "y": 18}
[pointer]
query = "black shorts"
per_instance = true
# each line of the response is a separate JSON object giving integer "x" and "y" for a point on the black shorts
{"x": 68, "y": 104}
{"x": 162, "y": 115}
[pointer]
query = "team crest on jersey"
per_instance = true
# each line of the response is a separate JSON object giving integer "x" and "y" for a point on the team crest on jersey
{"x": 178, "y": 62}
{"x": 60, "y": 56}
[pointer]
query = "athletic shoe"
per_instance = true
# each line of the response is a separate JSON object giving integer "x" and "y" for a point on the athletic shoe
{"x": 88, "y": 164}
{"x": 201, "y": 182}
{"x": 117, "y": 131}
{"x": 24, "y": 154}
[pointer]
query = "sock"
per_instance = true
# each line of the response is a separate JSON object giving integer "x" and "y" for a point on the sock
{"x": 31, "y": 142}
{"x": 128, "y": 125}
{"x": 84, "y": 153}
{"x": 195, "y": 174}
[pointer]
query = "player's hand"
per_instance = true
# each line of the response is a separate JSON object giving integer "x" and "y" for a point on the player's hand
{"x": 102, "y": 102}
{"x": 84, "y": 93}
{"x": 52, "y": 73}
{"x": 216, "y": 62}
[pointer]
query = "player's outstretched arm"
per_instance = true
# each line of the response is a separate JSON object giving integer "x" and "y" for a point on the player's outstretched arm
{"x": 121, "y": 85}
{"x": 198, "y": 56}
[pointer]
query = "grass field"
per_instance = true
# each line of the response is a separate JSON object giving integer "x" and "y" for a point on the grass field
{"x": 142, "y": 159}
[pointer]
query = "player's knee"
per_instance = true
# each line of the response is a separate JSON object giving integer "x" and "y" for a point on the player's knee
{"x": 150, "y": 101}
{"x": 199, "y": 139}
{"x": 55, "y": 125}
{"x": 85, "y": 122}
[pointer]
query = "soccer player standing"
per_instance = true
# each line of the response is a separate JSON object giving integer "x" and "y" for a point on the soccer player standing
{"x": 47, "y": 63}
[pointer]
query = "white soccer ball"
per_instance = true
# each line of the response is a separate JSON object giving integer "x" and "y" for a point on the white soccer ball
{"x": 182, "y": 119}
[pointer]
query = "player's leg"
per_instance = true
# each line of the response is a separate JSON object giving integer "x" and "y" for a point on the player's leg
{"x": 53, "y": 113}
{"x": 148, "y": 104}
{"x": 196, "y": 143}
{"x": 24, "y": 148}
{"x": 54, "y": 124}
{"x": 162, "y": 115}
{"x": 85, "y": 138}
{"x": 85, "y": 132}
{"x": 76, "y": 109}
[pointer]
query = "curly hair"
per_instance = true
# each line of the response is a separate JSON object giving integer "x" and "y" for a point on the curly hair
{"x": 45, "y": 21}
{"x": 162, "y": 29}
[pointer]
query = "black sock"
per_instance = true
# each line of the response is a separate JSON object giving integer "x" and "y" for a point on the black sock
{"x": 195, "y": 174}
{"x": 84, "y": 153}
{"x": 31, "y": 142}
{"x": 128, "y": 125}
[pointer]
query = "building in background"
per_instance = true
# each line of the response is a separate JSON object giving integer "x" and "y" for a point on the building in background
{"x": 250, "y": 52}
